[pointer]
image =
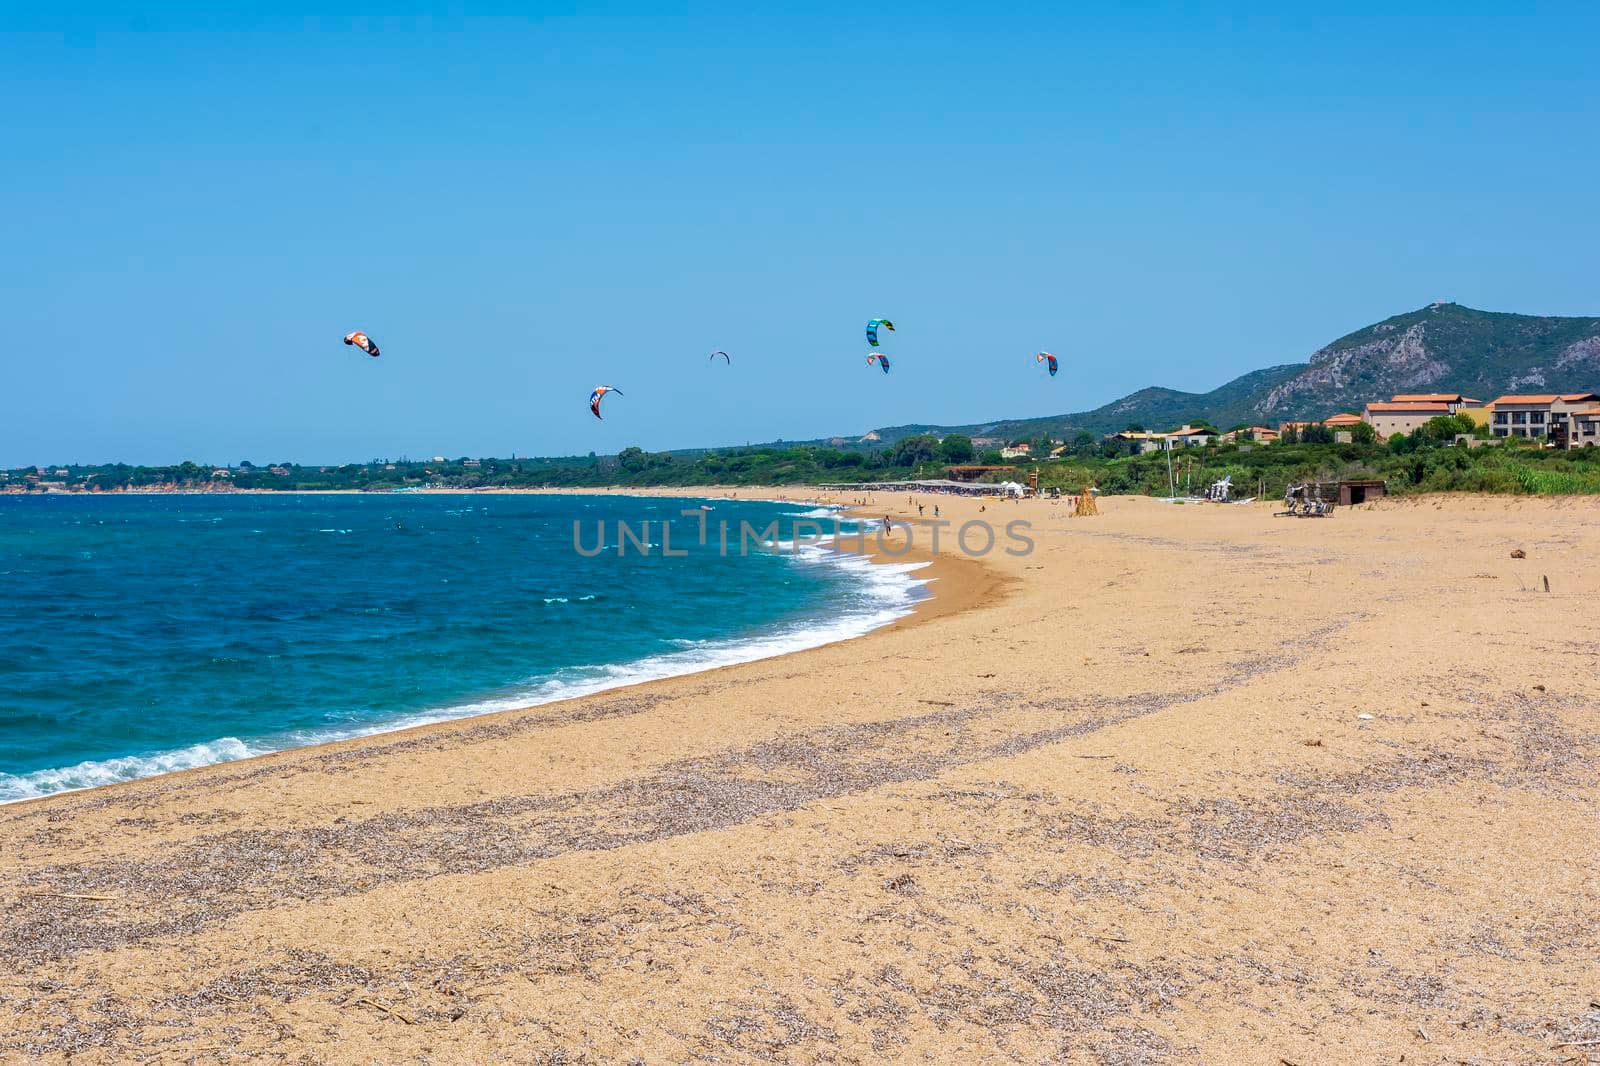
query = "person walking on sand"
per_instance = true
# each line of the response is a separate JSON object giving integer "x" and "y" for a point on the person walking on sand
{"x": 936, "y": 510}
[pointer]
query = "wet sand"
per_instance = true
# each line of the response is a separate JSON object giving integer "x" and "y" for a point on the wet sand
{"x": 1186, "y": 783}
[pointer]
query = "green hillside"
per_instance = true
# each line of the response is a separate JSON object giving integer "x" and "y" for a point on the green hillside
{"x": 1440, "y": 348}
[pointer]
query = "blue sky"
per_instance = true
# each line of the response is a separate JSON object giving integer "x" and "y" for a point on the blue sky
{"x": 197, "y": 210}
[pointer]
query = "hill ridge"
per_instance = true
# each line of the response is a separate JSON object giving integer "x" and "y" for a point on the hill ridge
{"x": 1441, "y": 347}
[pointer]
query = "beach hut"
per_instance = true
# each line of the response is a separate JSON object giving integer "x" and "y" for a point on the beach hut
{"x": 1359, "y": 491}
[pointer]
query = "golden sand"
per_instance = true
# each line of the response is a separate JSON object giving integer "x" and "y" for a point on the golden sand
{"x": 1187, "y": 783}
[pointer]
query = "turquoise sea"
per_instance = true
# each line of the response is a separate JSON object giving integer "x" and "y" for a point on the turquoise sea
{"x": 143, "y": 634}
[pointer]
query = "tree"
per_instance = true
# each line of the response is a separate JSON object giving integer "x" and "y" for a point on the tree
{"x": 909, "y": 451}
{"x": 1363, "y": 433}
{"x": 956, "y": 448}
{"x": 1443, "y": 429}
{"x": 1290, "y": 435}
{"x": 1083, "y": 445}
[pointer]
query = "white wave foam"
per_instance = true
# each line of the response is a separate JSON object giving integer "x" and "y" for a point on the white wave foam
{"x": 883, "y": 593}
{"x": 15, "y": 787}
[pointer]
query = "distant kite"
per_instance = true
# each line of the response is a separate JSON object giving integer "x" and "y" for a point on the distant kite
{"x": 362, "y": 341}
{"x": 595, "y": 396}
{"x": 724, "y": 355}
{"x": 879, "y": 358}
{"x": 1046, "y": 357}
{"x": 872, "y": 329}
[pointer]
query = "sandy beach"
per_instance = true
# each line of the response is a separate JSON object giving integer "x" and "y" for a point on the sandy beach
{"x": 1184, "y": 783}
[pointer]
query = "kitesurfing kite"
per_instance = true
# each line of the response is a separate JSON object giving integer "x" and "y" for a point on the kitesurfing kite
{"x": 881, "y": 359}
{"x": 726, "y": 358}
{"x": 1046, "y": 357}
{"x": 872, "y": 329}
{"x": 362, "y": 341}
{"x": 594, "y": 397}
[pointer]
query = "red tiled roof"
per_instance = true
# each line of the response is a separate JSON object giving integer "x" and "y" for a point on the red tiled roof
{"x": 1574, "y": 397}
{"x": 1401, "y": 408}
{"x": 1432, "y": 397}
{"x": 1343, "y": 418}
{"x": 1552, "y": 398}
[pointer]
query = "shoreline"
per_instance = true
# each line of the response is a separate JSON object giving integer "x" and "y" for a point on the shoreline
{"x": 936, "y": 580}
{"x": 1183, "y": 784}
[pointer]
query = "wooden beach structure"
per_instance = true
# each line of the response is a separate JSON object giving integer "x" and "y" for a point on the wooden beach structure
{"x": 1360, "y": 490}
{"x": 945, "y": 485}
{"x": 972, "y": 473}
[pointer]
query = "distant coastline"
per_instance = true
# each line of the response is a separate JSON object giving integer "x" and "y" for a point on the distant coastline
{"x": 1431, "y": 459}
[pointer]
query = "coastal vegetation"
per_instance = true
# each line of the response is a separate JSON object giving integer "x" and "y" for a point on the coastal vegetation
{"x": 1427, "y": 461}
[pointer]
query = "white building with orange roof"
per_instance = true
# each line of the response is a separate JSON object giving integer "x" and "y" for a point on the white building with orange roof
{"x": 1187, "y": 435}
{"x": 1402, "y": 416}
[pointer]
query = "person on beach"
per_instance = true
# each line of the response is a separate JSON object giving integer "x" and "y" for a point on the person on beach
{"x": 936, "y": 510}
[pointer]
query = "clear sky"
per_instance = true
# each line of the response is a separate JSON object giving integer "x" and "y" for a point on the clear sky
{"x": 197, "y": 210}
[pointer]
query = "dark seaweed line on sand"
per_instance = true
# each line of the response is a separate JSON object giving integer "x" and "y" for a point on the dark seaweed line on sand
{"x": 215, "y": 877}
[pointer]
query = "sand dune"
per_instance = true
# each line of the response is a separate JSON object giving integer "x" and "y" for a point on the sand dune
{"x": 1185, "y": 784}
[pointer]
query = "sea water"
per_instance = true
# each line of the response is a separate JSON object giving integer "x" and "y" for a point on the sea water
{"x": 141, "y": 634}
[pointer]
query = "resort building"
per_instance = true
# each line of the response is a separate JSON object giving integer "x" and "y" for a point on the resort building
{"x": 1146, "y": 442}
{"x": 1402, "y": 416}
{"x": 1585, "y": 428}
{"x": 1259, "y": 434}
{"x": 1016, "y": 451}
{"x": 1343, "y": 420}
{"x": 1186, "y": 435}
{"x": 1542, "y": 415}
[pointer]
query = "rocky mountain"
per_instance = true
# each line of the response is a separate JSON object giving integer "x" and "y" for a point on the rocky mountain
{"x": 1444, "y": 348}
{"x": 1440, "y": 348}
